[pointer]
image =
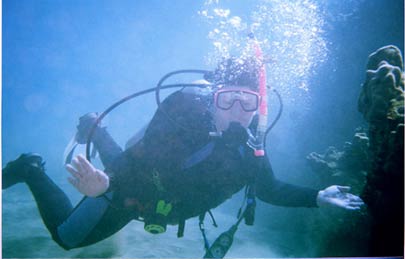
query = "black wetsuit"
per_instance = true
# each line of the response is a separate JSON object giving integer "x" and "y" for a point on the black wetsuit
{"x": 176, "y": 161}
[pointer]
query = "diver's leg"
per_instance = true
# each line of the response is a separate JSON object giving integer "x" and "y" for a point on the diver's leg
{"x": 92, "y": 220}
{"x": 53, "y": 204}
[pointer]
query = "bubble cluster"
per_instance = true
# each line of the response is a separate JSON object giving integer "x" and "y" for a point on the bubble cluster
{"x": 289, "y": 32}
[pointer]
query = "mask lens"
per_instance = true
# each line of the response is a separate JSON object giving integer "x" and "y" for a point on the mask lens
{"x": 249, "y": 101}
{"x": 225, "y": 99}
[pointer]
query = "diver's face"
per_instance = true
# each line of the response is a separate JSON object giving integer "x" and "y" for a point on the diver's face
{"x": 235, "y": 104}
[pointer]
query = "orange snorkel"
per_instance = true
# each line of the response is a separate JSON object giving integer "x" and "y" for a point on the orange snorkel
{"x": 262, "y": 125}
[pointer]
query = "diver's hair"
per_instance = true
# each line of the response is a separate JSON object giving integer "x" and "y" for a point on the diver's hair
{"x": 236, "y": 72}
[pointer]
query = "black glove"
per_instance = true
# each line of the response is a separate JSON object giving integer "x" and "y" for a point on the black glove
{"x": 86, "y": 123}
{"x": 235, "y": 135}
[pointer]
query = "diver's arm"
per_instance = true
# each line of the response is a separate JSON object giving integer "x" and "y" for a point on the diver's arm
{"x": 107, "y": 148}
{"x": 273, "y": 191}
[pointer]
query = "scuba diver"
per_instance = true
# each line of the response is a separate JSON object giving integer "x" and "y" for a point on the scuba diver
{"x": 195, "y": 153}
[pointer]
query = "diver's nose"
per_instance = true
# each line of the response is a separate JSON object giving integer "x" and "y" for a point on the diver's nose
{"x": 238, "y": 106}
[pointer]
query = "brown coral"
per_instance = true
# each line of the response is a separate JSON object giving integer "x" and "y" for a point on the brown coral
{"x": 382, "y": 104}
{"x": 382, "y": 96}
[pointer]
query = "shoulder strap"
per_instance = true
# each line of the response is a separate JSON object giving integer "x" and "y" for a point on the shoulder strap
{"x": 199, "y": 156}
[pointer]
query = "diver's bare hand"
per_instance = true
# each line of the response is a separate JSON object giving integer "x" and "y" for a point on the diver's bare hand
{"x": 339, "y": 196}
{"x": 87, "y": 179}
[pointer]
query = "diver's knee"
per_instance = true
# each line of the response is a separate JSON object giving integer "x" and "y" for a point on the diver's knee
{"x": 60, "y": 242}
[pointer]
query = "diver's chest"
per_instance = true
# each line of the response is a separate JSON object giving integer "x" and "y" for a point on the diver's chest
{"x": 220, "y": 166}
{"x": 213, "y": 177}
{"x": 211, "y": 170}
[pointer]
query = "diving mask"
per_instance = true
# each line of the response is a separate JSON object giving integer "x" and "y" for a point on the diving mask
{"x": 226, "y": 98}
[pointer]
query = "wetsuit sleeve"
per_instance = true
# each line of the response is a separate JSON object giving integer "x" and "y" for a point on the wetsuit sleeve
{"x": 273, "y": 191}
{"x": 107, "y": 148}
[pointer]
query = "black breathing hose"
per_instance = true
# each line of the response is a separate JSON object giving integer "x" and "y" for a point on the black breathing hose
{"x": 157, "y": 96}
{"x": 125, "y": 99}
{"x": 159, "y": 85}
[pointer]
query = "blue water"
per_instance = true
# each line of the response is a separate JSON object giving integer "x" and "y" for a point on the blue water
{"x": 62, "y": 59}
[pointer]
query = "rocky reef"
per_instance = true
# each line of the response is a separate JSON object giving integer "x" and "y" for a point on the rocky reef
{"x": 382, "y": 104}
{"x": 348, "y": 166}
{"x": 372, "y": 164}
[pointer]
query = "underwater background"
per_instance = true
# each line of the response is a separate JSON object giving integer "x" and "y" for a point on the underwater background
{"x": 62, "y": 59}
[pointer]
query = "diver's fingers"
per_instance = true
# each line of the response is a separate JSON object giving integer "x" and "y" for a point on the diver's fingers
{"x": 356, "y": 203}
{"x": 359, "y": 201}
{"x": 78, "y": 185}
{"x": 352, "y": 207}
{"x": 86, "y": 165}
{"x": 74, "y": 182}
{"x": 353, "y": 198}
{"x": 75, "y": 173}
{"x": 77, "y": 165}
{"x": 343, "y": 189}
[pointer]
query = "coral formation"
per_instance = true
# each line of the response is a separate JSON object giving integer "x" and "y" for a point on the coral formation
{"x": 373, "y": 163}
{"x": 346, "y": 167}
{"x": 382, "y": 96}
{"x": 382, "y": 104}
